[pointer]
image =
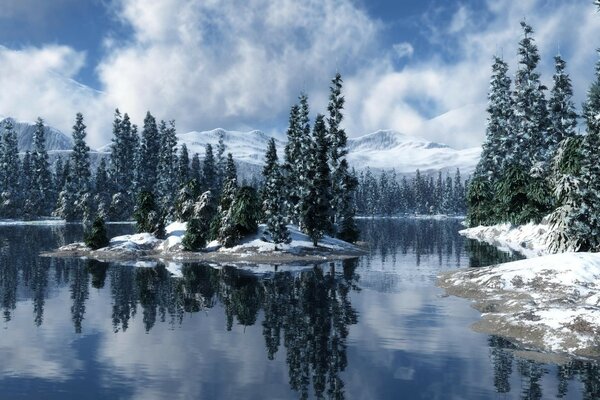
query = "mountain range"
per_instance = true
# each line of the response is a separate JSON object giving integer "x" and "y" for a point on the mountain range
{"x": 381, "y": 150}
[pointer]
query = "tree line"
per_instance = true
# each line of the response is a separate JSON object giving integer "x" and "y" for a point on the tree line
{"x": 534, "y": 162}
{"x": 391, "y": 195}
{"x": 148, "y": 178}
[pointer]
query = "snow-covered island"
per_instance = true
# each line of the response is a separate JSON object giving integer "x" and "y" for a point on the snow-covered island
{"x": 547, "y": 302}
{"x": 255, "y": 248}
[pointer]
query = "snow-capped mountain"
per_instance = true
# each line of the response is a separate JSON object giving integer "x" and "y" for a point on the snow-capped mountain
{"x": 386, "y": 149}
{"x": 55, "y": 139}
{"x": 248, "y": 147}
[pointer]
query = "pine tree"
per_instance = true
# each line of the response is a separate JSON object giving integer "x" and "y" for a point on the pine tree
{"x": 209, "y": 172}
{"x": 316, "y": 204}
{"x": 293, "y": 150}
{"x": 196, "y": 169}
{"x": 96, "y": 238}
{"x": 222, "y": 226}
{"x": 26, "y": 185}
{"x": 198, "y": 227}
{"x": 80, "y": 158}
{"x": 149, "y": 155}
{"x": 122, "y": 169}
{"x": 10, "y": 170}
{"x": 183, "y": 166}
{"x": 102, "y": 190}
{"x": 241, "y": 218}
{"x": 499, "y": 135}
{"x": 66, "y": 207}
{"x": 563, "y": 118}
{"x": 220, "y": 162}
{"x": 42, "y": 195}
{"x": 148, "y": 216}
{"x": 167, "y": 167}
{"x": 347, "y": 229}
{"x": 530, "y": 107}
{"x": 273, "y": 197}
{"x": 186, "y": 199}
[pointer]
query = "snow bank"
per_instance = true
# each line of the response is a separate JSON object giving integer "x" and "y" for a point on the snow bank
{"x": 550, "y": 303}
{"x": 529, "y": 240}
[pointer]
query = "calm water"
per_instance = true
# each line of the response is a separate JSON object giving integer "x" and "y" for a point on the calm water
{"x": 371, "y": 328}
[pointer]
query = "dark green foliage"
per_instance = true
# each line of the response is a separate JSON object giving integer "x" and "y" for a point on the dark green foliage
{"x": 242, "y": 217}
{"x": 198, "y": 227}
{"x": 209, "y": 169}
{"x": 183, "y": 166}
{"x": 521, "y": 197}
{"x": 96, "y": 237}
{"x": 184, "y": 204}
{"x": 147, "y": 216}
{"x": 480, "y": 202}
{"x": 316, "y": 204}
{"x": 273, "y": 197}
{"x": 149, "y": 155}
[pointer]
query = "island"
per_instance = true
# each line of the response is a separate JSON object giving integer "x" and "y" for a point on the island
{"x": 252, "y": 249}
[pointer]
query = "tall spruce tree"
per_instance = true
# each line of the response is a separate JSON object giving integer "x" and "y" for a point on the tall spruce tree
{"x": 122, "y": 167}
{"x": 337, "y": 147}
{"x": 273, "y": 194}
{"x": 530, "y": 107}
{"x": 149, "y": 155}
{"x": 42, "y": 193}
{"x": 80, "y": 170}
{"x": 316, "y": 203}
{"x": 209, "y": 169}
{"x": 167, "y": 167}
{"x": 183, "y": 166}
{"x": 102, "y": 190}
{"x": 220, "y": 161}
{"x": 563, "y": 118}
{"x": 196, "y": 169}
{"x": 291, "y": 171}
{"x": 223, "y": 226}
{"x": 10, "y": 169}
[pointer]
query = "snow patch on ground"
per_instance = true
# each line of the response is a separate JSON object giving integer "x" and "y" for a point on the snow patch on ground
{"x": 551, "y": 302}
{"x": 530, "y": 240}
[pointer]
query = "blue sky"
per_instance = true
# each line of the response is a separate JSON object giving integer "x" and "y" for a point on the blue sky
{"x": 420, "y": 67}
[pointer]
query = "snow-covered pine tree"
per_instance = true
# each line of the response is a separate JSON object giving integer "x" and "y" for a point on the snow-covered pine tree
{"x": 530, "y": 107}
{"x": 209, "y": 169}
{"x": 26, "y": 185}
{"x": 448, "y": 195}
{"x": 499, "y": 135}
{"x": 186, "y": 199}
{"x": 149, "y": 155}
{"x": 10, "y": 170}
{"x": 122, "y": 167}
{"x": 316, "y": 203}
{"x": 222, "y": 226}
{"x": 198, "y": 227}
{"x": 167, "y": 167}
{"x": 347, "y": 229}
{"x": 338, "y": 148}
{"x": 80, "y": 176}
{"x": 196, "y": 170}
{"x": 562, "y": 115}
{"x": 96, "y": 237}
{"x": 272, "y": 196}
{"x": 459, "y": 194}
{"x": 66, "y": 206}
{"x": 102, "y": 196}
{"x": 147, "y": 215}
{"x": 242, "y": 216}
{"x": 292, "y": 155}
{"x": 220, "y": 162}
{"x": 42, "y": 194}
{"x": 183, "y": 166}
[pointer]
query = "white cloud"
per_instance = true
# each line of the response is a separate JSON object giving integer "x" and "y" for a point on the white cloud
{"x": 240, "y": 64}
{"x": 404, "y": 50}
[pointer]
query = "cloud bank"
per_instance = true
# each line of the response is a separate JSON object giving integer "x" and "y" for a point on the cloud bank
{"x": 241, "y": 64}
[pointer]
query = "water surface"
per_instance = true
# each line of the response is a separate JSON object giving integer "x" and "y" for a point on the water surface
{"x": 371, "y": 328}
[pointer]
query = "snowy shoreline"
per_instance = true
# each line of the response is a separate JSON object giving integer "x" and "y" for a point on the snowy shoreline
{"x": 254, "y": 249}
{"x": 547, "y": 302}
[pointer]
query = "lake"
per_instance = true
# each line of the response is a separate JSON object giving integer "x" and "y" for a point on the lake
{"x": 375, "y": 327}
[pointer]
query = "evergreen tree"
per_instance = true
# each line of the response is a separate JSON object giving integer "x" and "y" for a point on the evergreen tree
{"x": 80, "y": 158}
{"x": 316, "y": 205}
{"x": 198, "y": 227}
{"x": 530, "y": 108}
{"x": 563, "y": 118}
{"x": 291, "y": 170}
{"x": 195, "y": 170}
{"x": 10, "y": 170}
{"x": 347, "y": 229}
{"x": 102, "y": 197}
{"x": 149, "y": 155}
{"x": 42, "y": 196}
{"x": 220, "y": 162}
{"x": 167, "y": 167}
{"x": 147, "y": 215}
{"x": 222, "y": 226}
{"x": 122, "y": 167}
{"x": 26, "y": 185}
{"x": 242, "y": 217}
{"x": 96, "y": 238}
{"x": 183, "y": 166}
{"x": 273, "y": 197}
{"x": 209, "y": 172}
{"x": 499, "y": 135}
{"x": 186, "y": 199}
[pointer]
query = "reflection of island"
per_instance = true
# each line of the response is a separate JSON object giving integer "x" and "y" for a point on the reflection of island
{"x": 306, "y": 312}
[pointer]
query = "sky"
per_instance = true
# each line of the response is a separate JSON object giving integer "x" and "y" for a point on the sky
{"x": 421, "y": 67}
